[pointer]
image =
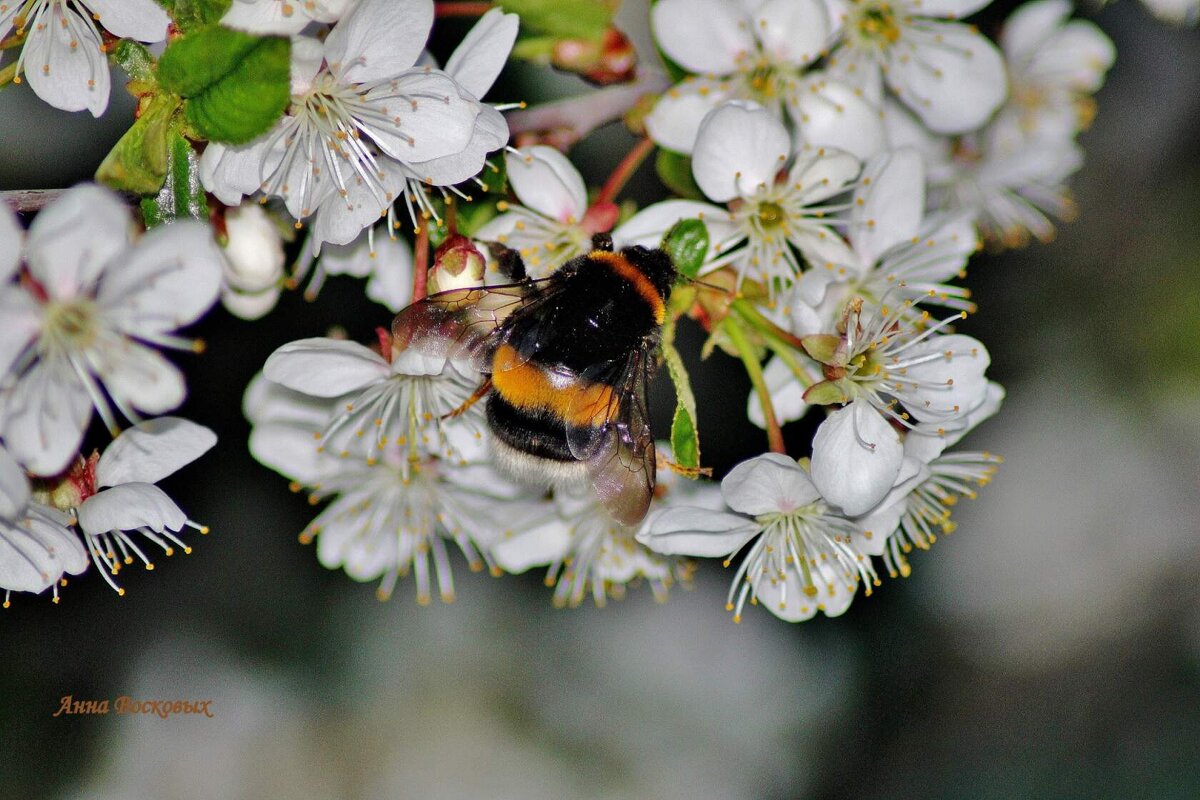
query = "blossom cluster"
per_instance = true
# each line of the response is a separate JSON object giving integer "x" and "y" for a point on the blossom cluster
{"x": 836, "y": 164}
{"x": 85, "y": 306}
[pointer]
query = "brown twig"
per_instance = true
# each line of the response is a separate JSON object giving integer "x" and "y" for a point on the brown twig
{"x": 21, "y": 200}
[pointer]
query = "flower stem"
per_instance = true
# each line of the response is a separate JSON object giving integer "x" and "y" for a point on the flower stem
{"x": 754, "y": 370}
{"x": 756, "y": 320}
{"x": 624, "y": 171}
{"x": 421, "y": 263}
{"x": 8, "y": 73}
{"x": 461, "y": 9}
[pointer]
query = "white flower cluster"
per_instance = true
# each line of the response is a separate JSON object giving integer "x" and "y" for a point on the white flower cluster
{"x": 84, "y": 305}
{"x": 372, "y": 119}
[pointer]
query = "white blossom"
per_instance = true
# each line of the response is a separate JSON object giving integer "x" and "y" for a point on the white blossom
{"x": 117, "y": 496}
{"x": 384, "y": 259}
{"x": 64, "y": 57}
{"x": 254, "y": 259}
{"x": 802, "y": 556}
{"x": 282, "y": 16}
{"x": 759, "y": 52}
{"x": 90, "y": 300}
{"x": 952, "y": 76}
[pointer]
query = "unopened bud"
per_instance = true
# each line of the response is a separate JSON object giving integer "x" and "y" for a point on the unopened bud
{"x": 253, "y": 249}
{"x": 610, "y": 60}
{"x": 457, "y": 264}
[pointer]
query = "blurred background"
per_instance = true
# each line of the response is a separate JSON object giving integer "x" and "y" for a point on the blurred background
{"x": 1050, "y": 648}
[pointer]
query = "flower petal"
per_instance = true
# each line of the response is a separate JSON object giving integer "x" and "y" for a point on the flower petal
{"x": 378, "y": 39}
{"x": 703, "y": 36}
{"x": 830, "y": 113}
{"x": 954, "y": 81}
{"x": 787, "y": 599}
{"x": 435, "y": 119}
{"x": 325, "y": 367}
{"x": 73, "y": 239}
{"x": 483, "y": 52}
{"x": 881, "y": 521}
{"x": 1028, "y": 28}
{"x": 168, "y": 280}
{"x": 675, "y": 120}
{"x": 740, "y": 147}
{"x": 794, "y": 31}
{"x": 822, "y": 172}
{"x": 650, "y": 225}
{"x": 856, "y": 458}
{"x": 37, "y": 550}
{"x": 545, "y": 181}
{"x": 20, "y": 319}
{"x": 696, "y": 532}
{"x": 144, "y": 20}
{"x": 139, "y": 376}
{"x": 152, "y": 450}
{"x": 948, "y": 373}
{"x": 65, "y": 62}
{"x": 250, "y": 305}
{"x": 787, "y": 395}
{"x": 888, "y": 204}
{"x": 289, "y": 449}
{"x": 391, "y": 281}
{"x": 948, "y": 9}
{"x": 14, "y": 487}
{"x": 265, "y": 401}
{"x": 43, "y": 417}
{"x": 540, "y": 544}
{"x": 128, "y": 507}
{"x": 234, "y": 172}
{"x": 489, "y": 133}
{"x": 768, "y": 484}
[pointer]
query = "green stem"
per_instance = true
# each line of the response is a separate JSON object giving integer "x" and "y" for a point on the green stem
{"x": 756, "y": 320}
{"x": 8, "y": 73}
{"x": 754, "y": 370}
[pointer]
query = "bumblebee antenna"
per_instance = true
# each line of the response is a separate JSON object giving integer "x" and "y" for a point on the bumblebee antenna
{"x": 706, "y": 285}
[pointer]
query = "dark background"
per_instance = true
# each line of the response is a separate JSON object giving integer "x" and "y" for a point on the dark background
{"x": 1047, "y": 649}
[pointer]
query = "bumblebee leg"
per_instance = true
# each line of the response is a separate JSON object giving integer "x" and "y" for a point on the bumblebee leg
{"x": 478, "y": 395}
{"x": 662, "y": 462}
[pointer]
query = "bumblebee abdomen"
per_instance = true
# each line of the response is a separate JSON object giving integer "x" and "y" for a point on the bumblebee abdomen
{"x": 532, "y": 432}
{"x": 528, "y": 386}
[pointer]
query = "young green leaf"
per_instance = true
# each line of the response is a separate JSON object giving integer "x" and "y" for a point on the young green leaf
{"x": 138, "y": 161}
{"x": 236, "y": 85}
{"x": 181, "y": 194}
{"x": 191, "y": 14}
{"x": 564, "y": 19}
{"x": 685, "y": 439}
{"x": 675, "y": 171}
{"x": 687, "y": 245}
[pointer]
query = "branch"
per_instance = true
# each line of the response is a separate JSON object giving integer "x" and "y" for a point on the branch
{"x": 20, "y": 200}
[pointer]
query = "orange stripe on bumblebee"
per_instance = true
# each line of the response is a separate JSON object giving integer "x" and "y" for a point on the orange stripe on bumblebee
{"x": 528, "y": 387}
{"x": 620, "y": 265}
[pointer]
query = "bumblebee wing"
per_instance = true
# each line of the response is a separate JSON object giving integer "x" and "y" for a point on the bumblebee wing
{"x": 464, "y": 323}
{"x": 607, "y": 429}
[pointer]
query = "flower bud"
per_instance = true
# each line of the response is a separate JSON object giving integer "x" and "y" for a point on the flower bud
{"x": 457, "y": 264}
{"x": 253, "y": 249}
{"x": 610, "y": 60}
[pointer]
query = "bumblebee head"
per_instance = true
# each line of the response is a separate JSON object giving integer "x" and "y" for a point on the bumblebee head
{"x": 656, "y": 265}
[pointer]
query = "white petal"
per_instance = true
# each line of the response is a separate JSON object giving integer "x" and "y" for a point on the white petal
{"x": 740, "y": 147}
{"x": 65, "y": 63}
{"x": 378, "y": 39}
{"x": 325, "y": 367}
{"x": 20, "y": 319}
{"x": 489, "y": 133}
{"x": 231, "y": 173}
{"x": 793, "y": 31}
{"x": 308, "y": 54}
{"x": 342, "y": 219}
{"x": 888, "y": 204}
{"x": 767, "y": 484}
{"x": 1028, "y": 28}
{"x": 250, "y": 305}
{"x": 168, "y": 280}
{"x": 74, "y": 238}
{"x": 787, "y": 395}
{"x": 141, "y": 377}
{"x": 881, "y": 521}
{"x": 856, "y": 458}
{"x": 253, "y": 249}
{"x": 1076, "y": 57}
{"x": 703, "y": 36}
{"x": 545, "y": 181}
{"x": 955, "y": 80}
{"x": 830, "y": 113}
{"x": 130, "y": 506}
{"x": 152, "y": 450}
{"x": 927, "y": 441}
{"x": 953, "y": 381}
{"x": 787, "y": 600}
{"x": 675, "y": 120}
{"x": 265, "y": 17}
{"x": 949, "y": 9}
{"x": 478, "y": 59}
{"x": 144, "y": 20}
{"x": 43, "y": 417}
{"x": 940, "y": 251}
{"x": 14, "y": 487}
{"x": 435, "y": 118}
{"x": 696, "y": 532}
{"x": 289, "y": 449}
{"x": 823, "y": 172}
{"x": 538, "y": 545}
{"x": 36, "y": 551}
{"x": 11, "y": 239}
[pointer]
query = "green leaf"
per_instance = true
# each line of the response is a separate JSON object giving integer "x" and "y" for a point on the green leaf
{"x": 236, "y": 85}
{"x": 135, "y": 59}
{"x": 687, "y": 245}
{"x": 181, "y": 195}
{"x": 685, "y": 439}
{"x": 564, "y": 19}
{"x": 537, "y": 49}
{"x": 138, "y": 161}
{"x": 191, "y": 14}
{"x": 675, "y": 171}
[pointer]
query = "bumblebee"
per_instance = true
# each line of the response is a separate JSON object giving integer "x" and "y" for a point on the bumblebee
{"x": 566, "y": 361}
